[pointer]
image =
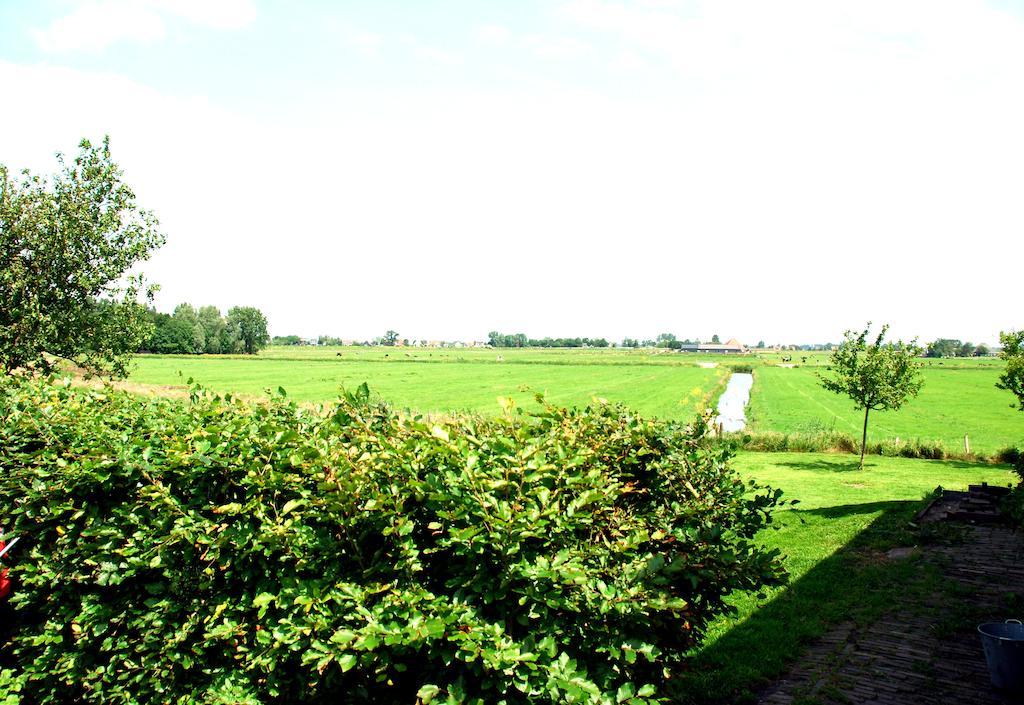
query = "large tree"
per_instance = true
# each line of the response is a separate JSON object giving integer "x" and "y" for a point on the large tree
{"x": 251, "y": 327}
{"x": 877, "y": 376}
{"x": 68, "y": 246}
{"x": 1012, "y": 378}
{"x": 213, "y": 328}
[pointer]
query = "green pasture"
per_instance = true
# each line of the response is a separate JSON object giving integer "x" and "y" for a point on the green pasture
{"x": 820, "y": 358}
{"x": 954, "y": 401}
{"x": 833, "y": 542}
{"x": 959, "y": 395}
{"x": 444, "y": 383}
{"x": 511, "y": 356}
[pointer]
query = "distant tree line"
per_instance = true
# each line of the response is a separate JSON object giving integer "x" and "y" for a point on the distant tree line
{"x": 519, "y": 340}
{"x": 951, "y": 347}
{"x": 192, "y": 331}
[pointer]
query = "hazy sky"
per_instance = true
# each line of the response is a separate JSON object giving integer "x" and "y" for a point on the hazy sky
{"x": 762, "y": 170}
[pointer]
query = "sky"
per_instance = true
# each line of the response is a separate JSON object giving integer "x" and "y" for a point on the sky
{"x": 778, "y": 171}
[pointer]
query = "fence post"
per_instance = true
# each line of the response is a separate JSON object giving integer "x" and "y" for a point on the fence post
{"x": 967, "y": 445}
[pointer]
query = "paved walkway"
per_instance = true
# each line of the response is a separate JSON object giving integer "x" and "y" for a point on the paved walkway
{"x": 928, "y": 657}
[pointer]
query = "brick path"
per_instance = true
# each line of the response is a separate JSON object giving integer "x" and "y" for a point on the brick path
{"x": 910, "y": 658}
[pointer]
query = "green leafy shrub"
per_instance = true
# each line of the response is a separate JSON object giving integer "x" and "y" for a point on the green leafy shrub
{"x": 1010, "y": 455}
{"x": 215, "y": 551}
{"x": 1014, "y": 504}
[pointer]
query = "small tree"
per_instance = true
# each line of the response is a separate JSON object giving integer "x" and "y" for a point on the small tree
{"x": 68, "y": 246}
{"x": 1012, "y": 379}
{"x": 389, "y": 338}
{"x": 879, "y": 376}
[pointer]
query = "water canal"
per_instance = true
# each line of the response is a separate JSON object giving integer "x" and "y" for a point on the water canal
{"x": 733, "y": 402}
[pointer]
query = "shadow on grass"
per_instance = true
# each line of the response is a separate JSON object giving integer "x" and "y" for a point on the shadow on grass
{"x": 843, "y": 462}
{"x": 856, "y": 584}
{"x": 840, "y": 462}
{"x": 843, "y": 510}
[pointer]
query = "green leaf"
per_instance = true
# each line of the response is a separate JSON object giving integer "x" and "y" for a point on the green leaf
{"x": 427, "y": 693}
{"x": 291, "y": 505}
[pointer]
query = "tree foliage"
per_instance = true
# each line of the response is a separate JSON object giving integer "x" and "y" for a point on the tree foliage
{"x": 877, "y": 376}
{"x": 519, "y": 340}
{"x": 951, "y": 347}
{"x": 214, "y": 551}
{"x": 250, "y": 326}
{"x": 68, "y": 245}
{"x": 1012, "y": 378}
{"x": 191, "y": 331}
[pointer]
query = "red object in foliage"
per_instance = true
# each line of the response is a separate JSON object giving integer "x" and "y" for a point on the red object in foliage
{"x": 5, "y": 584}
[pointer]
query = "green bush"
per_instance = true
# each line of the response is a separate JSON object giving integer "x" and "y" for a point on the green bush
{"x": 214, "y": 551}
{"x": 1014, "y": 504}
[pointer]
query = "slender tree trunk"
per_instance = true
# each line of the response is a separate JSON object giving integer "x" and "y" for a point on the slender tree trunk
{"x": 864, "y": 437}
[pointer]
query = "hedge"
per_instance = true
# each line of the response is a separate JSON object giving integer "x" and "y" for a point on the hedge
{"x": 218, "y": 551}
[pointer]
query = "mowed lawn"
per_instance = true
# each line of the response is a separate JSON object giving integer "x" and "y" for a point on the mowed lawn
{"x": 953, "y": 402}
{"x": 840, "y": 508}
{"x": 667, "y": 391}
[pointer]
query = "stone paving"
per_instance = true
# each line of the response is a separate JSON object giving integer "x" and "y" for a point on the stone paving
{"x": 922, "y": 655}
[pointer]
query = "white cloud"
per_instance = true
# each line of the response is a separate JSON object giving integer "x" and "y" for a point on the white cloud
{"x": 96, "y": 24}
{"x": 493, "y": 34}
{"x": 557, "y": 47}
{"x": 430, "y": 53}
{"x": 628, "y": 62}
{"x": 220, "y": 14}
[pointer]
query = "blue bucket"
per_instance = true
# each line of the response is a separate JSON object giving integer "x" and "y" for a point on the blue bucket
{"x": 1004, "y": 651}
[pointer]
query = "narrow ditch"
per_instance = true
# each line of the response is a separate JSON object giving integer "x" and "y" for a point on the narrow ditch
{"x": 733, "y": 402}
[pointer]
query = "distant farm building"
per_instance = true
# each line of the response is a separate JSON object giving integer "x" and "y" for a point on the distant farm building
{"x": 732, "y": 347}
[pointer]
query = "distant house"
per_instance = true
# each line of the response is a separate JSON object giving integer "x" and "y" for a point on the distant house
{"x": 732, "y": 347}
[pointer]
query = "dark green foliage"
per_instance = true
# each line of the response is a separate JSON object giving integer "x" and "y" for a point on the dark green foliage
{"x": 1014, "y": 504}
{"x": 171, "y": 335}
{"x": 193, "y": 332}
{"x": 519, "y": 340}
{"x": 68, "y": 247}
{"x": 1012, "y": 378}
{"x": 213, "y": 551}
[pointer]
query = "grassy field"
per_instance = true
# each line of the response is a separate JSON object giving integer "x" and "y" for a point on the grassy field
{"x": 959, "y": 396}
{"x": 444, "y": 382}
{"x": 952, "y": 403}
{"x": 831, "y": 541}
